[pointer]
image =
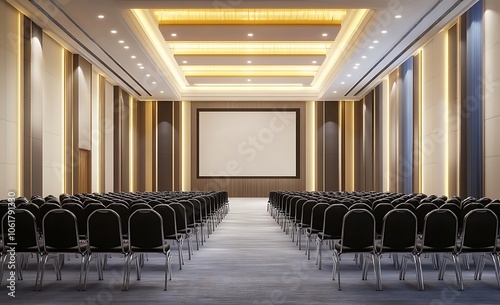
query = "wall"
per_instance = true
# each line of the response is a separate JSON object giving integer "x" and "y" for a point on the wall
{"x": 9, "y": 97}
{"x": 491, "y": 93}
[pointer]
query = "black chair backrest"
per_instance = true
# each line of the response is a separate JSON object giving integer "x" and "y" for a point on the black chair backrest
{"x": 104, "y": 231}
{"x": 318, "y": 216}
{"x": 379, "y": 212}
{"x": 358, "y": 230}
{"x": 480, "y": 230}
{"x": 80, "y": 215}
{"x": 169, "y": 225}
{"x": 360, "y": 205}
{"x": 440, "y": 230}
{"x": 421, "y": 211}
{"x": 145, "y": 230}
{"x": 298, "y": 209}
{"x": 456, "y": 209}
{"x": 26, "y": 234}
{"x": 307, "y": 212}
{"x": 399, "y": 230}
{"x": 35, "y": 210}
{"x": 138, "y": 206}
{"x": 122, "y": 210}
{"x": 190, "y": 212}
{"x": 46, "y": 207}
{"x": 180, "y": 216}
{"x": 60, "y": 231}
{"x": 469, "y": 207}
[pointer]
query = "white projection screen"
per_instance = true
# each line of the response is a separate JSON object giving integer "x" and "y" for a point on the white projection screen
{"x": 248, "y": 143}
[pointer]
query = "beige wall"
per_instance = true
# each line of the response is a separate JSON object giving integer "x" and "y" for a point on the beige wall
{"x": 434, "y": 100}
{"x": 53, "y": 117}
{"x": 9, "y": 33}
{"x": 491, "y": 103}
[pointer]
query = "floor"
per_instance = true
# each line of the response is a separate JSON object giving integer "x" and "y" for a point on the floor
{"x": 249, "y": 260}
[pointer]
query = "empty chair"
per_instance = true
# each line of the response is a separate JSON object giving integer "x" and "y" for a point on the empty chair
{"x": 358, "y": 236}
{"x": 379, "y": 212}
{"x": 305, "y": 220}
{"x": 27, "y": 241}
{"x": 360, "y": 205}
{"x": 469, "y": 207}
{"x": 332, "y": 228}
{"x": 60, "y": 231}
{"x": 80, "y": 215}
{"x": 123, "y": 211}
{"x": 146, "y": 236}
{"x": 170, "y": 228}
{"x": 421, "y": 211}
{"x": 182, "y": 224}
{"x": 104, "y": 235}
{"x": 399, "y": 235}
{"x": 35, "y": 210}
{"x": 317, "y": 219}
{"x": 439, "y": 236}
{"x": 495, "y": 208}
{"x": 479, "y": 235}
{"x": 138, "y": 206}
{"x": 406, "y": 205}
{"x": 46, "y": 207}
{"x": 456, "y": 209}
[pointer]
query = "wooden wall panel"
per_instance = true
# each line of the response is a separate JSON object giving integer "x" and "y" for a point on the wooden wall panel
{"x": 84, "y": 171}
{"x": 249, "y": 187}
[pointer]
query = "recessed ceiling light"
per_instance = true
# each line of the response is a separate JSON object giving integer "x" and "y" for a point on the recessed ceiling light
{"x": 126, "y": 47}
{"x": 370, "y": 47}
{"x": 398, "y": 16}
{"x": 334, "y": 91}
{"x": 133, "y": 57}
{"x": 148, "y": 75}
{"x": 384, "y": 32}
{"x": 348, "y": 75}
{"x": 100, "y": 16}
{"x": 250, "y": 34}
{"x": 249, "y": 80}
{"x": 324, "y": 34}
{"x": 314, "y": 61}
{"x": 184, "y": 61}
{"x": 114, "y": 31}
{"x": 355, "y": 67}
{"x": 357, "y": 64}
{"x": 154, "y": 83}
{"x": 141, "y": 67}
{"x": 375, "y": 41}
{"x": 342, "y": 83}
{"x": 249, "y": 61}
{"x": 139, "y": 64}
{"x": 364, "y": 56}
{"x": 121, "y": 41}
{"x": 173, "y": 35}
{"x": 162, "y": 91}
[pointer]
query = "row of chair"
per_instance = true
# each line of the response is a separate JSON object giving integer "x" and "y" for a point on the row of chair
{"x": 95, "y": 228}
{"x": 317, "y": 217}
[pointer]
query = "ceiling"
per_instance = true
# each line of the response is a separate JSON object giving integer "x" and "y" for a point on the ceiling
{"x": 239, "y": 50}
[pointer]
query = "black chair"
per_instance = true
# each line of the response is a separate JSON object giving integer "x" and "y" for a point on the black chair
{"x": 479, "y": 235}
{"x": 47, "y": 207}
{"x": 332, "y": 228}
{"x": 60, "y": 231}
{"x": 191, "y": 220}
{"x": 80, "y": 215}
{"x": 170, "y": 228}
{"x": 182, "y": 225}
{"x": 379, "y": 212}
{"x": 305, "y": 220}
{"x": 123, "y": 211}
{"x": 421, "y": 211}
{"x": 358, "y": 236}
{"x": 317, "y": 219}
{"x": 35, "y": 210}
{"x": 495, "y": 208}
{"x": 439, "y": 236}
{"x": 457, "y": 211}
{"x": 104, "y": 235}
{"x": 27, "y": 241}
{"x": 146, "y": 236}
{"x": 399, "y": 235}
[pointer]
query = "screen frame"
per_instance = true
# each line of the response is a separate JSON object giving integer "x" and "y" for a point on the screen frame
{"x": 297, "y": 141}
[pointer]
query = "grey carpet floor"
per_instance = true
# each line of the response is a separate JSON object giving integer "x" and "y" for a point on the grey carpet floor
{"x": 249, "y": 260}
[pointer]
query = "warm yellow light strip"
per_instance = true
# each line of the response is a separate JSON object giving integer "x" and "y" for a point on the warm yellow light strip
{"x": 63, "y": 129}
{"x": 446, "y": 116}
{"x": 246, "y": 71}
{"x": 250, "y": 85}
{"x": 249, "y": 16}
{"x": 253, "y": 48}
{"x": 19, "y": 99}
{"x": 131, "y": 148}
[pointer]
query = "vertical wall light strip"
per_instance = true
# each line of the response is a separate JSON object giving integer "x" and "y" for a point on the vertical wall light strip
{"x": 446, "y": 114}
{"x": 341, "y": 148}
{"x": 131, "y": 171}
{"x": 63, "y": 107}
{"x": 312, "y": 147}
{"x": 184, "y": 155}
{"x": 19, "y": 103}
{"x": 387, "y": 128}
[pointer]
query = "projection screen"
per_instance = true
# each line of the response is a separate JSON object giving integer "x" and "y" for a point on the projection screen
{"x": 248, "y": 143}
